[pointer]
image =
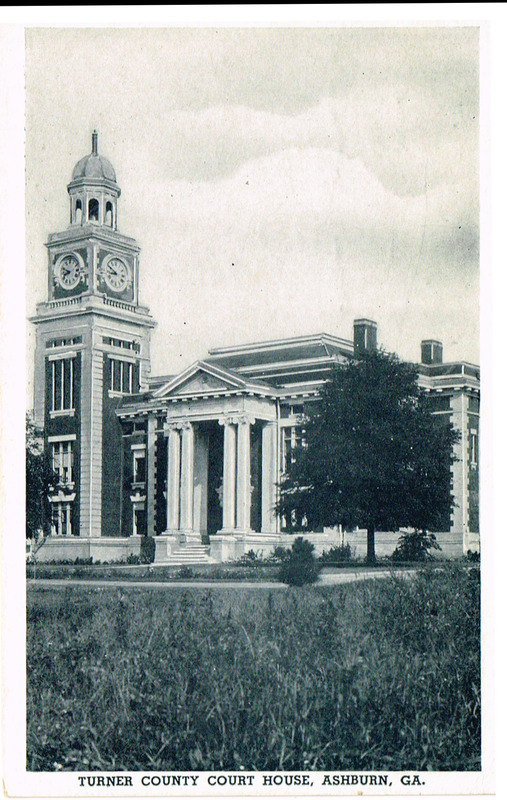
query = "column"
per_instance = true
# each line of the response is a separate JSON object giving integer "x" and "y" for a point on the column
{"x": 460, "y": 466}
{"x": 187, "y": 477}
{"x": 173, "y": 479}
{"x": 243, "y": 475}
{"x": 269, "y": 477}
{"x": 151, "y": 444}
{"x": 229, "y": 479}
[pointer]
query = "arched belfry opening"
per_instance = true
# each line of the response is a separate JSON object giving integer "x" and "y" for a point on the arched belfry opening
{"x": 93, "y": 210}
{"x": 108, "y": 216}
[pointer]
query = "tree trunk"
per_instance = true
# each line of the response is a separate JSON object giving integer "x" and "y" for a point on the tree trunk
{"x": 370, "y": 545}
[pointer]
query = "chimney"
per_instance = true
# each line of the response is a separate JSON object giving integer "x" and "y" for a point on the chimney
{"x": 431, "y": 351}
{"x": 365, "y": 336}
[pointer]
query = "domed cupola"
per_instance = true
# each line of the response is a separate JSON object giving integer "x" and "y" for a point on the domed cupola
{"x": 93, "y": 190}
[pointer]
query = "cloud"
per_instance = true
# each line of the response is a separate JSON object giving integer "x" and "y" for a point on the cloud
{"x": 280, "y": 181}
{"x": 303, "y": 240}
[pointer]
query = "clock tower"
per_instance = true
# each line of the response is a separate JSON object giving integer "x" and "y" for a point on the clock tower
{"x": 92, "y": 351}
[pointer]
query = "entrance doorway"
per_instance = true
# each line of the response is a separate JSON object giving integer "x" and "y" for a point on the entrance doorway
{"x": 215, "y": 477}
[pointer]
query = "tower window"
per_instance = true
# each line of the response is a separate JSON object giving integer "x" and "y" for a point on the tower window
{"x": 63, "y": 461}
{"x": 121, "y": 376}
{"x": 78, "y": 212}
{"x": 93, "y": 210}
{"x": 62, "y": 389}
{"x": 108, "y": 220}
{"x": 61, "y": 518}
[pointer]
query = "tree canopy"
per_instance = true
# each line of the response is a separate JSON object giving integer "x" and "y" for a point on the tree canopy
{"x": 40, "y": 479}
{"x": 375, "y": 456}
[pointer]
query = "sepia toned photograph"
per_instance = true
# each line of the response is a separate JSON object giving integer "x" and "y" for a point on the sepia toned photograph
{"x": 253, "y": 550}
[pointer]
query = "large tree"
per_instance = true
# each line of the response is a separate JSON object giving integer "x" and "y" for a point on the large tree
{"x": 375, "y": 456}
{"x": 40, "y": 480}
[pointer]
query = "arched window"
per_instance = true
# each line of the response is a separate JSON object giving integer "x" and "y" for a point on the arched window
{"x": 78, "y": 214}
{"x": 93, "y": 210}
{"x": 108, "y": 220}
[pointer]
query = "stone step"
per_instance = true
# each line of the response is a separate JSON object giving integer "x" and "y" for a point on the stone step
{"x": 188, "y": 555}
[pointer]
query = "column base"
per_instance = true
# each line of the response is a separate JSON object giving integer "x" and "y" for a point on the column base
{"x": 190, "y": 537}
{"x": 225, "y": 547}
{"x": 165, "y": 544}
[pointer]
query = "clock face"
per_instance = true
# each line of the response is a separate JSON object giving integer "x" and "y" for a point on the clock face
{"x": 116, "y": 274}
{"x": 68, "y": 271}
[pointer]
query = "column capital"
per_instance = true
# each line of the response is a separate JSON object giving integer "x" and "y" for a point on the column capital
{"x": 230, "y": 420}
{"x": 176, "y": 426}
{"x": 237, "y": 419}
{"x": 246, "y": 419}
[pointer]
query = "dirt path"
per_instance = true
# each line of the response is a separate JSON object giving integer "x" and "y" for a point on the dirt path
{"x": 326, "y": 579}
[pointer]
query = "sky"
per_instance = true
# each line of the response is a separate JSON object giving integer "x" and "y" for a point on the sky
{"x": 280, "y": 181}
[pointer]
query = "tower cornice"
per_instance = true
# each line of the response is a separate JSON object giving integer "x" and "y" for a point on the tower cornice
{"x": 92, "y": 232}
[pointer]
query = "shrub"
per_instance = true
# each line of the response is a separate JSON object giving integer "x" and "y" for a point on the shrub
{"x": 184, "y": 573}
{"x": 300, "y": 567}
{"x": 133, "y": 559}
{"x": 147, "y": 550}
{"x": 415, "y": 546}
{"x": 250, "y": 558}
{"x": 473, "y": 555}
{"x": 339, "y": 554}
{"x": 280, "y": 554}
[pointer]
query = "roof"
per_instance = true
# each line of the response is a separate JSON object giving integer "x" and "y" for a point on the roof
{"x": 94, "y": 167}
{"x": 279, "y": 360}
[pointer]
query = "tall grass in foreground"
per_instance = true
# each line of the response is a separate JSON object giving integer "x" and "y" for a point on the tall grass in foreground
{"x": 374, "y": 675}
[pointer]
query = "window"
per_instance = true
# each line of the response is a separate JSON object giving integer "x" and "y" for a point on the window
{"x": 61, "y": 518}
{"x": 79, "y": 212}
{"x": 124, "y": 344}
{"x": 62, "y": 389}
{"x": 139, "y": 465}
{"x": 121, "y": 376}
{"x": 139, "y": 519}
{"x": 64, "y": 342}
{"x": 473, "y": 448}
{"x": 63, "y": 461}
{"x": 292, "y": 437}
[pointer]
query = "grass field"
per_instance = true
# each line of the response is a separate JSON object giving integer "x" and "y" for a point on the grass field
{"x": 374, "y": 675}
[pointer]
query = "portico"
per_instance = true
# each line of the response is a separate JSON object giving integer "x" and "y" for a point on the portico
{"x": 221, "y": 460}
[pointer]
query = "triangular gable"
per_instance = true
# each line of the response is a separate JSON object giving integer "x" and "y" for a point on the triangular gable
{"x": 201, "y": 378}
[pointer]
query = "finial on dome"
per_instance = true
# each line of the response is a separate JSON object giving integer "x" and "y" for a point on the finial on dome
{"x": 95, "y": 146}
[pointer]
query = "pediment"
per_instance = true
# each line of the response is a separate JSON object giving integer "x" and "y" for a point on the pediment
{"x": 201, "y": 378}
{"x": 202, "y": 381}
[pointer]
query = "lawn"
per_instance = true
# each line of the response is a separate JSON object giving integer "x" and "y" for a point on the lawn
{"x": 374, "y": 675}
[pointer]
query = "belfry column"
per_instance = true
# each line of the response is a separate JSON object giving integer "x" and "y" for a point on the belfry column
{"x": 269, "y": 477}
{"x": 229, "y": 476}
{"x": 244, "y": 497}
{"x": 187, "y": 478}
{"x": 173, "y": 480}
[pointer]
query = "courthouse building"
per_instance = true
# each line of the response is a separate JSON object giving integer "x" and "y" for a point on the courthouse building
{"x": 193, "y": 459}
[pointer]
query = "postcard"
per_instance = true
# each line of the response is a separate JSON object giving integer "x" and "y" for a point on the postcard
{"x": 253, "y": 424}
